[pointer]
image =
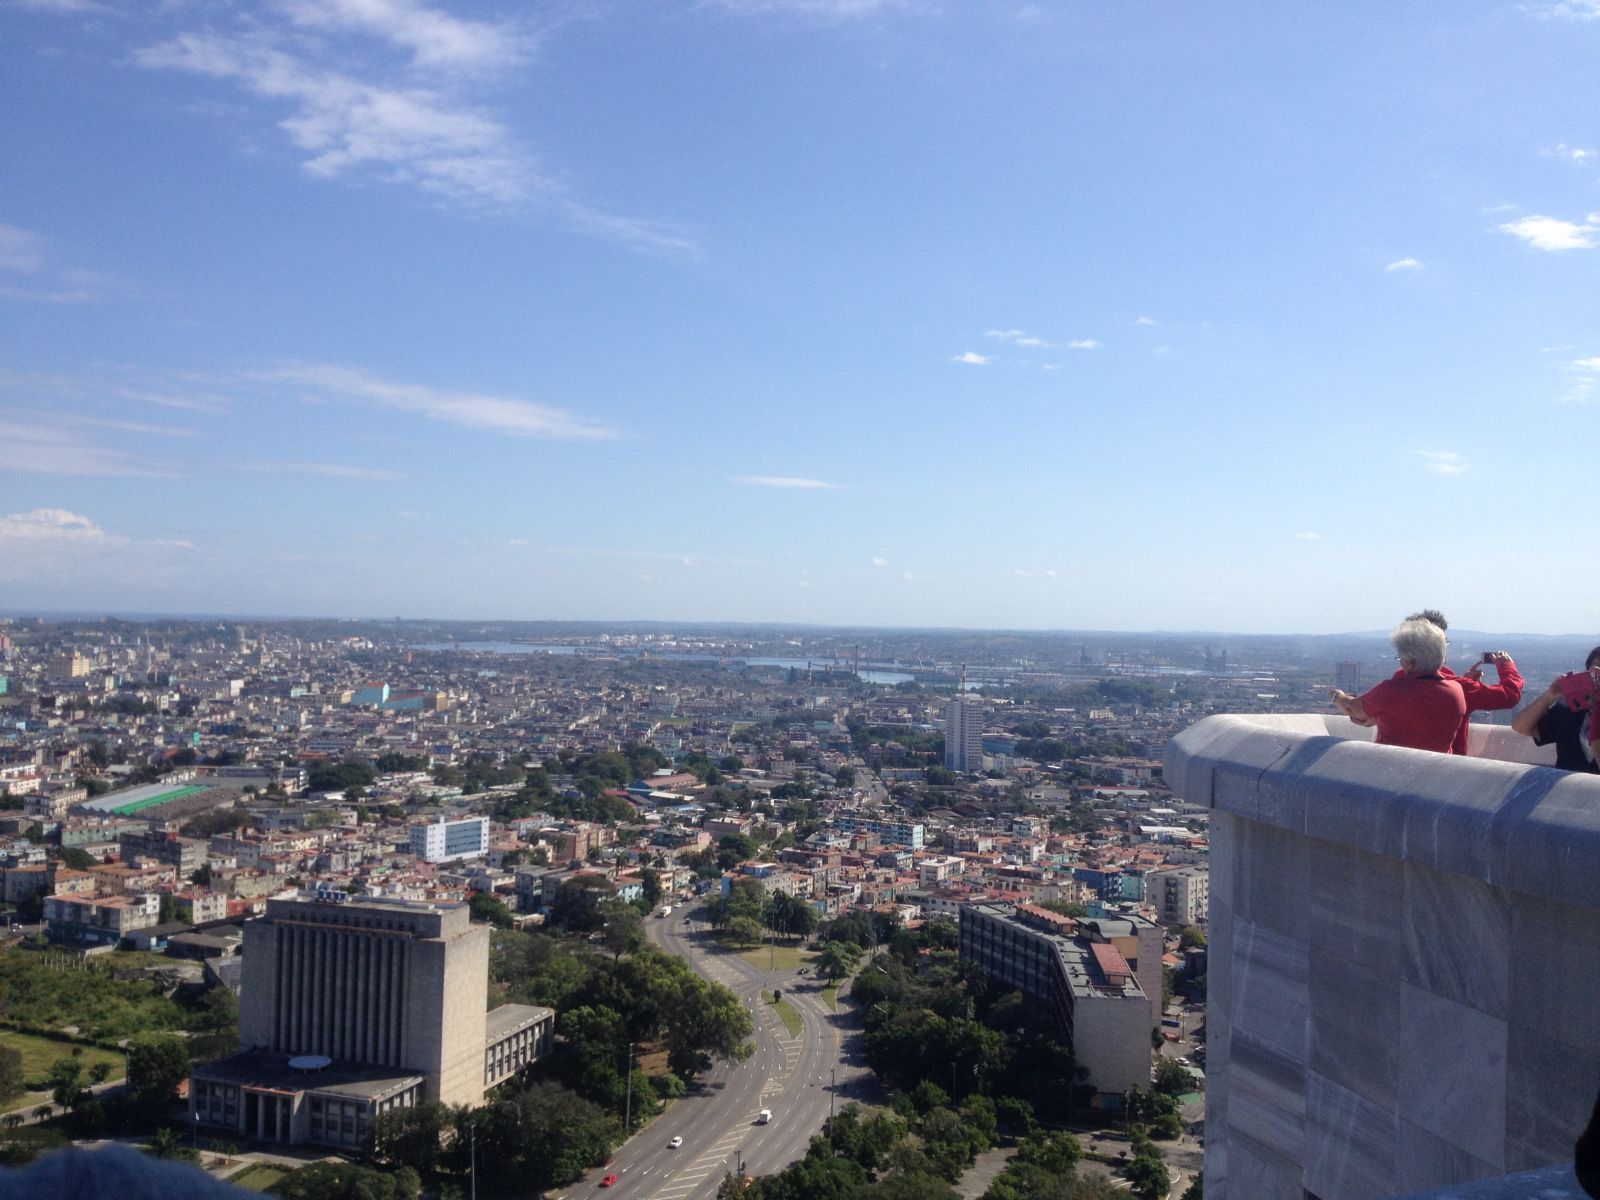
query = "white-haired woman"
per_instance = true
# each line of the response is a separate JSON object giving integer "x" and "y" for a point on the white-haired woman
{"x": 1419, "y": 707}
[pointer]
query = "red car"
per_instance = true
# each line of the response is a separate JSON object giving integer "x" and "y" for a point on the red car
{"x": 608, "y": 1181}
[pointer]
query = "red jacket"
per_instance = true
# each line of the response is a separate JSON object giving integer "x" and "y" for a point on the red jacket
{"x": 1481, "y": 696}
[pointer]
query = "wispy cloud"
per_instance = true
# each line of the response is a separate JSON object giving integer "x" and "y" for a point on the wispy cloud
{"x": 435, "y": 38}
{"x": 880, "y": 562}
{"x": 1585, "y": 387}
{"x": 785, "y": 481}
{"x": 1404, "y": 264}
{"x": 327, "y": 67}
{"x": 1015, "y": 337}
{"x": 972, "y": 358}
{"x": 490, "y": 414}
{"x": 60, "y": 446}
{"x": 1146, "y": 321}
{"x": 829, "y": 9}
{"x": 1443, "y": 462}
{"x": 52, "y": 525}
{"x": 1025, "y": 573}
{"x": 1579, "y": 155}
{"x": 1572, "y": 10}
{"x": 27, "y": 272}
{"x": 1309, "y": 535}
{"x": 1552, "y": 233}
{"x": 1083, "y": 344}
{"x": 323, "y": 470}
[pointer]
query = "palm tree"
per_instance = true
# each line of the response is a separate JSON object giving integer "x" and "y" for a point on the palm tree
{"x": 44, "y": 1112}
{"x": 12, "y": 1120}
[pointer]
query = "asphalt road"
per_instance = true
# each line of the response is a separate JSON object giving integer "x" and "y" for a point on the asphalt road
{"x": 797, "y": 1078}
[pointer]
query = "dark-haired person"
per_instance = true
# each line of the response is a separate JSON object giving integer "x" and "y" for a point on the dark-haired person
{"x": 1548, "y": 719}
{"x": 1418, "y": 707}
{"x": 1480, "y": 696}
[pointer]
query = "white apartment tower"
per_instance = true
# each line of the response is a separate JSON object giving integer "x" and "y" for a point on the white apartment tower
{"x": 963, "y": 734}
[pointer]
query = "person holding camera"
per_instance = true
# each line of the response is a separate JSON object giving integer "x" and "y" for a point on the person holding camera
{"x": 1418, "y": 707}
{"x": 1480, "y": 696}
{"x": 1561, "y": 715}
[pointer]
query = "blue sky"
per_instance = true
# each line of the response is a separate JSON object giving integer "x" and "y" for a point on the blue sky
{"x": 1032, "y": 315}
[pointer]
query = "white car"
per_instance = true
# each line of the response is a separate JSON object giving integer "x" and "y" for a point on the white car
{"x": 674, "y": 1143}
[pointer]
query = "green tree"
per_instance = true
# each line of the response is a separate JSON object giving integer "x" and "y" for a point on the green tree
{"x": 411, "y": 1137}
{"x": 487, "y": 907}
{"x": 1196, "y": 1189}
{"x": 651, "y": 883}
{"x": 11, "y": 1078}
{"x": 1190, "y": 936}
{"x": 156, "y": 1066}
{"x": 168, "y": 1143}
{"x": 65, "y": 1079}
{"x": 1148, "y": 1175}
{"x": 838, "y": 959}
{"x": 1172, "y": 1079}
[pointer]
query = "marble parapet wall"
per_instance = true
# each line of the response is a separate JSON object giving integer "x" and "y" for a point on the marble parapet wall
{"x": 1404, "y": 968}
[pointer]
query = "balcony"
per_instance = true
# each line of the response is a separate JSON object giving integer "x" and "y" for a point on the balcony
{"x": 1404, "y": 962}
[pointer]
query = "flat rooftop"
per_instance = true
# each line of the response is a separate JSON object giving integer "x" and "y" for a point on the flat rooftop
{"x": 272, "y": 1071}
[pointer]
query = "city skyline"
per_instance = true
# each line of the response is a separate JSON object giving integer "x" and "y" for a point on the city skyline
{"x": 867, "y": 313}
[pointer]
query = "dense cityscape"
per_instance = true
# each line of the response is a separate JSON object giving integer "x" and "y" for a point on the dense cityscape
{"x": 683, "y": 912}
{"x": 839, "y": 795}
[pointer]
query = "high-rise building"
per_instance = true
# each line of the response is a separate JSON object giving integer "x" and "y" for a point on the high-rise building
{"x": 1082, "y": 981}
{"x": 1181, "y": 895}
{"x": 445, "y": 841}
{"x": 1348, "y": 677}
{"x": 352, "y": 1007}
{"x": 963, "y": 734}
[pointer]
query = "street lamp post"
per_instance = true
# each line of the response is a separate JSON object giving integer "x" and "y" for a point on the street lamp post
{"x": 833, "y": 1088}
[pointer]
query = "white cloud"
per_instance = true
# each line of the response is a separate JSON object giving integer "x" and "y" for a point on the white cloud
{"x": 435, "y": 38}
{"x": 52, "y": 525}
{"x": 830, "y": 9}
{"x": 1443, "y": 462}
{"x": 1573, "y": 154}
{"x": 323, "y": 470}
{"x": 785, "y": 481}
{"x": 1573, "y": 10}
{"x": 491, "y": 414}
{"x": 1404, "y": 264}
{"x": 20, "y": 249}
{"x": 1147, "y": 321}
{"x": 1587, "y": 364}
{"x": 1309, "y": 536}
{"x": 410, "y": 134}
{"x": 1015, "y": 337}
{"x": 26, "y": 272}
{"x": 352, "y": 112}
{"x": 880, "y": 562}
{"x": 1083, "y": 344}
{"x": 1024, "y": 573}
{"x": 1552, "y": 233}
{"x": 57, "y": 446}
{"x": 971, "y": 358}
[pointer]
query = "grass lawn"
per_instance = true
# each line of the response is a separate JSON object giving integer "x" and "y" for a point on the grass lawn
{"x": 40, "y": 1053}
{"x": 777, "y": 958}
{"x": 831, "y": 995}
{"x": 258, "y": 1177}
{"x": 791, "y": 1019}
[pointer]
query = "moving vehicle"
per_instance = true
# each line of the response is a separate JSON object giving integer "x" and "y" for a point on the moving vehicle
{"x": 667, "y": 911}
{"x": 764, "y": 1117}
{"x": 674, "y": 1143}
{"x": 608, "y": 1181}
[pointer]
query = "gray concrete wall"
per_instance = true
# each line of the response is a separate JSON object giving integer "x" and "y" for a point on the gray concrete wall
{"x": 1404, "y": 966}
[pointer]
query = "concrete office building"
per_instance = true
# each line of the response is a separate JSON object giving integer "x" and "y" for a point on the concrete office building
{"x": 893, "y": 832}
{"x": 352, "y": 1007}
{"x": 1182, "y": 895}
{"x": 963, "y": 734}
{"x": 1086, "y": 985}
{"x": 447, "y": 841}
{"x": 1403, "y": 962}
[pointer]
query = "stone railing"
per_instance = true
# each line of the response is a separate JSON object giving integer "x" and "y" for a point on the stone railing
{"x": 1404, "y": 966}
